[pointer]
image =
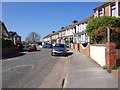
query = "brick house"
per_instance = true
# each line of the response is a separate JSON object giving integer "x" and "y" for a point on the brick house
{"x": 54, "y": 37}
{"x": 71, "y": 30}
{"x": 15, "y": 37}
{"x": 62, "y": 35}
{"x": 47, "y": 38}
{"x": 108, "y": 9}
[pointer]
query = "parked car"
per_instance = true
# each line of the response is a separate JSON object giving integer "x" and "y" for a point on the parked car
{"x": 34, "y": 47}
{"x": 59, "y": 49}
{"x": 44, "y": 45}
{"x": 27, "y": 48}
{"x": 47, "y": 45}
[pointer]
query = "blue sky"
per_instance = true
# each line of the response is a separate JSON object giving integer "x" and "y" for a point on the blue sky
{"x": 43, "y": 17}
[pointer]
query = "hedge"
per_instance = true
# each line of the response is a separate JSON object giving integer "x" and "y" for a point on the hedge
{"x": 6, "y": 42}
{"x": 97, "y": 30}
{"x": 100, "y": 22}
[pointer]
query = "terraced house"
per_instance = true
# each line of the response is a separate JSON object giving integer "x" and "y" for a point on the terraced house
{"x": 108, "y": 9}
{"x": 80, "y": 35}
{"x": 75, "y": 32}
{"x": 54, "y": 37}
{"x": 47, "y": 38}
{"x": 62, "y": 35}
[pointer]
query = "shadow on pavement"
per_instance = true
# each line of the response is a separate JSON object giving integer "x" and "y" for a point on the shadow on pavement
{"x": 12, "y": 55}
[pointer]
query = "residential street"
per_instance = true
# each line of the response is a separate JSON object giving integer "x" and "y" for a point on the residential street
{"x": 55, "y": 45}
{"x": 34, "y": 70}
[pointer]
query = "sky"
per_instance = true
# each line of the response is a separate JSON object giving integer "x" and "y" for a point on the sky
{"x": 43, "y": 17}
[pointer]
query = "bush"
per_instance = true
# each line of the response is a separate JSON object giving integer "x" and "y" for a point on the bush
{"x": 97, "y": 29}
{"x": 67, "y": 42}
{"x": 114, "y": 68}
{"x": 118, "y": 46}
{"x": 100, "y": 22}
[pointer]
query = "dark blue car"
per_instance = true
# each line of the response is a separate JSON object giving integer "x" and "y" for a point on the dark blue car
{"x": 47, "y": 45}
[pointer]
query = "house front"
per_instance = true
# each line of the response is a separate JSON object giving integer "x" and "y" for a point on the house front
{"x": 70, "y": 31}
{"x": 15, "y": 37}
{"x": 54, "y": 37}
{"x": 47, "y": 38}
{"x": 62, "y": 35}
{"x": 108, "y": 9}
{"x": 80, "y": 36}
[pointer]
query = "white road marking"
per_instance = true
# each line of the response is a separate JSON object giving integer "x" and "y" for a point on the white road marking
{"x": 32, "y": 66}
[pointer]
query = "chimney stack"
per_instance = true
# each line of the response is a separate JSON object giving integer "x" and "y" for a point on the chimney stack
{"x": 62, "y": 27}
{"x": 53, "y": 31}
{"x": 74, "y": 21}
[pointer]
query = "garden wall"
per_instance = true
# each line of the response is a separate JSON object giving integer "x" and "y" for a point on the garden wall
{"x": 97, "y": 53}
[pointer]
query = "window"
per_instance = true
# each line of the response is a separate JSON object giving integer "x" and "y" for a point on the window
{"x": 100, "y": 12}
{"x": 82, "y": 26}
{"x": 17, "y": 38}
{"x": 113, "y": 10}
{"x": 60, "y": 45}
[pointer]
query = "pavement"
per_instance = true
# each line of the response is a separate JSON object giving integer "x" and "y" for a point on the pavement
{"x": 85, "y": 73}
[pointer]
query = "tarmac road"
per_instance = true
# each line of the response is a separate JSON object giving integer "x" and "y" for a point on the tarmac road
{"x": 34, "y": 70}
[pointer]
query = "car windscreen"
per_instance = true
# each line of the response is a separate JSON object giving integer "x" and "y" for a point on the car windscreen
{"x": 60, "y": 45}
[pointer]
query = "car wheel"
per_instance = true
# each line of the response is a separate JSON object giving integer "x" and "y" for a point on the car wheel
{"x": 51, "y": 54}
{"x": 65, "y": 54}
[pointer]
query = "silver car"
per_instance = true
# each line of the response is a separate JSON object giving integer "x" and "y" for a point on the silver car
{"x": 59, "y": 49}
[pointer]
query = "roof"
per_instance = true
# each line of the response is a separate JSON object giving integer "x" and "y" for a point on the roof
{"x": 104, "y": 4}
{"x": 1, "y": 23}
{"x": 13, "y": 34}
{"x": 3, "y": 26}
{"x": 49, "y": 35}
{"x": 71, "y": 25}
{"x": 85, "y": 20}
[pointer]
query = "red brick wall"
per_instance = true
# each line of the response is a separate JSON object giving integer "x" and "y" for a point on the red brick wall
{"x": 87, "y": 50}
{"x": 76, "y": 47}
{"x": 110, "y": 54}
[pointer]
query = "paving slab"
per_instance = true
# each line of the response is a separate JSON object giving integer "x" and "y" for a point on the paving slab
{"x": 85, "y": 73}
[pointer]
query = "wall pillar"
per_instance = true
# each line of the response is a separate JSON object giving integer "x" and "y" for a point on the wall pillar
{"x": 88, "y": 50}
{"x": 110, "y": 54}
{"x": 74, "y": 46}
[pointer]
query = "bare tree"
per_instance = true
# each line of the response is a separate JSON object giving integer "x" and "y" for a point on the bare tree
{"x": 33, "y": 37}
